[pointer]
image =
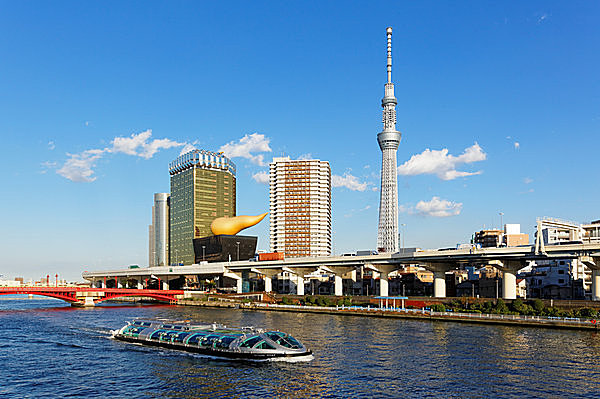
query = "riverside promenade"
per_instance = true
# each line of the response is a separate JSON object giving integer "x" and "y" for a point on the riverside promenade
{"x": 424, "y": 314}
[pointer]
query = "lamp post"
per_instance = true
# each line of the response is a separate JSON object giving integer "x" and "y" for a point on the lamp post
{"x": 57, "y": 279}
{"x": 501, "y": 225}
{"x": 403, "y": 225}
{"x": 238, "y": 249}
{"x": 203, "y": 248}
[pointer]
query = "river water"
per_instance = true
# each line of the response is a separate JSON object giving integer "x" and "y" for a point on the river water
{"x": 49, "y": 349}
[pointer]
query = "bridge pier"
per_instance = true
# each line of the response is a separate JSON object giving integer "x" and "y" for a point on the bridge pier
{"x": 384, "y": 271}
{"x": 300, "y": 272}
{"x": 439, "y": 277}
{"x": 268, "y": 275}
{"x": 238, "y": 280}
{"x": 338, "y": 273}
{"x": 439, "y": 284}
{"x": 140, "y": 285}
{"x": 509, "y": 268}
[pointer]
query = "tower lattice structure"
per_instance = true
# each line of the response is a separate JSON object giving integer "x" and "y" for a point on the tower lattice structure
{"x": 389, "y": 140}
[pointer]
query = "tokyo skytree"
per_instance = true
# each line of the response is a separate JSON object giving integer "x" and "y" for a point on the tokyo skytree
{"x": 388, "y": 139}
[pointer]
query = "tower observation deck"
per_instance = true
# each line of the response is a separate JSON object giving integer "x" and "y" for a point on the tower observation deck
{"x": 389, "y": 140}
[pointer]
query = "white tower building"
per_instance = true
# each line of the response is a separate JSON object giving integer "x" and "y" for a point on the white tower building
{"x": 159, "y": 231}
{"x": 389, "y": 140}
{"x": 300, "y": 207}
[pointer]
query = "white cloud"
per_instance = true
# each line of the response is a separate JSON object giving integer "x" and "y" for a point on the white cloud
{"x": 517, "y": 145}
{"x": 349, "y": 181}
{"x": 246, "y": 146}
{"x": 51, "y": 145}
{"x": 305, "y": 157}
{"x": 138, "y": 144}
{"x": 542, "y": 18}
{"x": 438, "y": 207}
{"x": 442, "y": 164}
{"x": 187, "y": 148}
{"x": 261, "y": 177}
{"x": 528, "y": 180}
{"x": 78, "y": 167}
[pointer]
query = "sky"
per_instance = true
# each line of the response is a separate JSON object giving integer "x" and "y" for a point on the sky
{"x": 498, "y": 106}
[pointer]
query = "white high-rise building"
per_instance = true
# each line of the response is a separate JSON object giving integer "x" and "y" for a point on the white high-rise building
{"x": 159, "y": 231}
{"x": 300, "y": 207}
{"x": 389, "y": 140}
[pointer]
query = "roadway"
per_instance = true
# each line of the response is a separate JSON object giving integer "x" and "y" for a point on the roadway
{"x": 508, "y": 259}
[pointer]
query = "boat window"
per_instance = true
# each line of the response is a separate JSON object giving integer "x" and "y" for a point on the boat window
{"x": 137, "y": 323}
{"x": 170, "y": 334}
{"x": 250, "y": 342}
{"x": 181, "y": 336}
{"x": 225, "y": 342}
{"x": 156, "y": 334}
{"x": 293, "y": 341}
{"x": 195, "y": 338}
{"x": 264, "y": 345}
{"x": 208, "y": 341}
{"x": 284, "y": 340}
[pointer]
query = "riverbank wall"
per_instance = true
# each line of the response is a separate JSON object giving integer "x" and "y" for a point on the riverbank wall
{"x": 414, "y": 314}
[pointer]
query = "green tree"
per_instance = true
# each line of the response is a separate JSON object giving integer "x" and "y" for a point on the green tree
{"x": 538, "y": 306}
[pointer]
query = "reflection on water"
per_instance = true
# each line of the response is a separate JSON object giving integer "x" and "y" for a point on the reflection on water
{"x": 47, "y": 347}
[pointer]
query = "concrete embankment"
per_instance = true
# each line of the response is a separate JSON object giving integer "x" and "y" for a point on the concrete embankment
{"x": 497, "y": 319}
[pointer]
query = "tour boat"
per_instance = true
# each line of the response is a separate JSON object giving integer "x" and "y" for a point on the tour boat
{"x": 215, "y": 340}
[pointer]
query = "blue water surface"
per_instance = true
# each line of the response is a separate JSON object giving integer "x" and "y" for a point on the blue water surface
{"x": 49, "y": 349}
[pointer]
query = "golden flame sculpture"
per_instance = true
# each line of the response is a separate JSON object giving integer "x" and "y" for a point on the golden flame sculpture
{"x": 233, "y": 225}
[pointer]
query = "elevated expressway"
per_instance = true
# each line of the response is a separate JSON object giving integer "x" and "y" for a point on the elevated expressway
{"x": 509, "y": 260}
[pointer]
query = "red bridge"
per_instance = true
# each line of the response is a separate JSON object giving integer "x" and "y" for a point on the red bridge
{"x": 85, "y": 296}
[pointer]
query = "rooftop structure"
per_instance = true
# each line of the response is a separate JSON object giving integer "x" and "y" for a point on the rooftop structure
{"x": 389, "y": 140}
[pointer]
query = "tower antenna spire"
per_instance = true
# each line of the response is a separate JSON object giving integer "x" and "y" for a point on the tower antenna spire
{"x": 389, "y": 54}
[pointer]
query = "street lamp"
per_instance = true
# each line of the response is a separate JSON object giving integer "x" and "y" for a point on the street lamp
{"x": 403, "y": 225}
{"x": 238, "y": 250}
{"x": 203, "y": 248}
{"x": 501, "y": 225}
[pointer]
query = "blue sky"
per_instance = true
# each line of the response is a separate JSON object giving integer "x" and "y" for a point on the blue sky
{"x": 498, "y": 105}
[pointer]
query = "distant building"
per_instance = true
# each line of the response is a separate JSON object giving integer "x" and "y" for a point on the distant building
{"x": 510, "y": 236}
{"x": 300, "y": 205}
{"x": 488, "y": 238}
{"x": 553, "y": 231}
{"x": 203, "y": 188}
{"x": 158, "y": 231}
{"x": 553, "y": 279}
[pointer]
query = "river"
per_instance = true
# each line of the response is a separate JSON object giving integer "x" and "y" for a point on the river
{"x": 49, "y": 349}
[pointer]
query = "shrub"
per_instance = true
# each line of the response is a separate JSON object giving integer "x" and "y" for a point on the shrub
{"x": 538, "y": 306}
{"x": 438, "y": 307}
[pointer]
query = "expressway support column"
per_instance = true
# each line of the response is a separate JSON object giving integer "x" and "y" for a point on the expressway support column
{"x": 439, "y": 277}
{"x": 509, "y": 269}
{"x": 300, "y": 285}
{"x": 238, "y": 280}
{"x": 384, "y": 270}
{"x": 268, "y": 275}
{"x": 339, "y": 273}
{"x": 300, "y": 272}
{"x": 439, "y": 284}
{"x": 140, "y": 285}
{"x": 595, "y": 284}
{"x": 383, "y": 284}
